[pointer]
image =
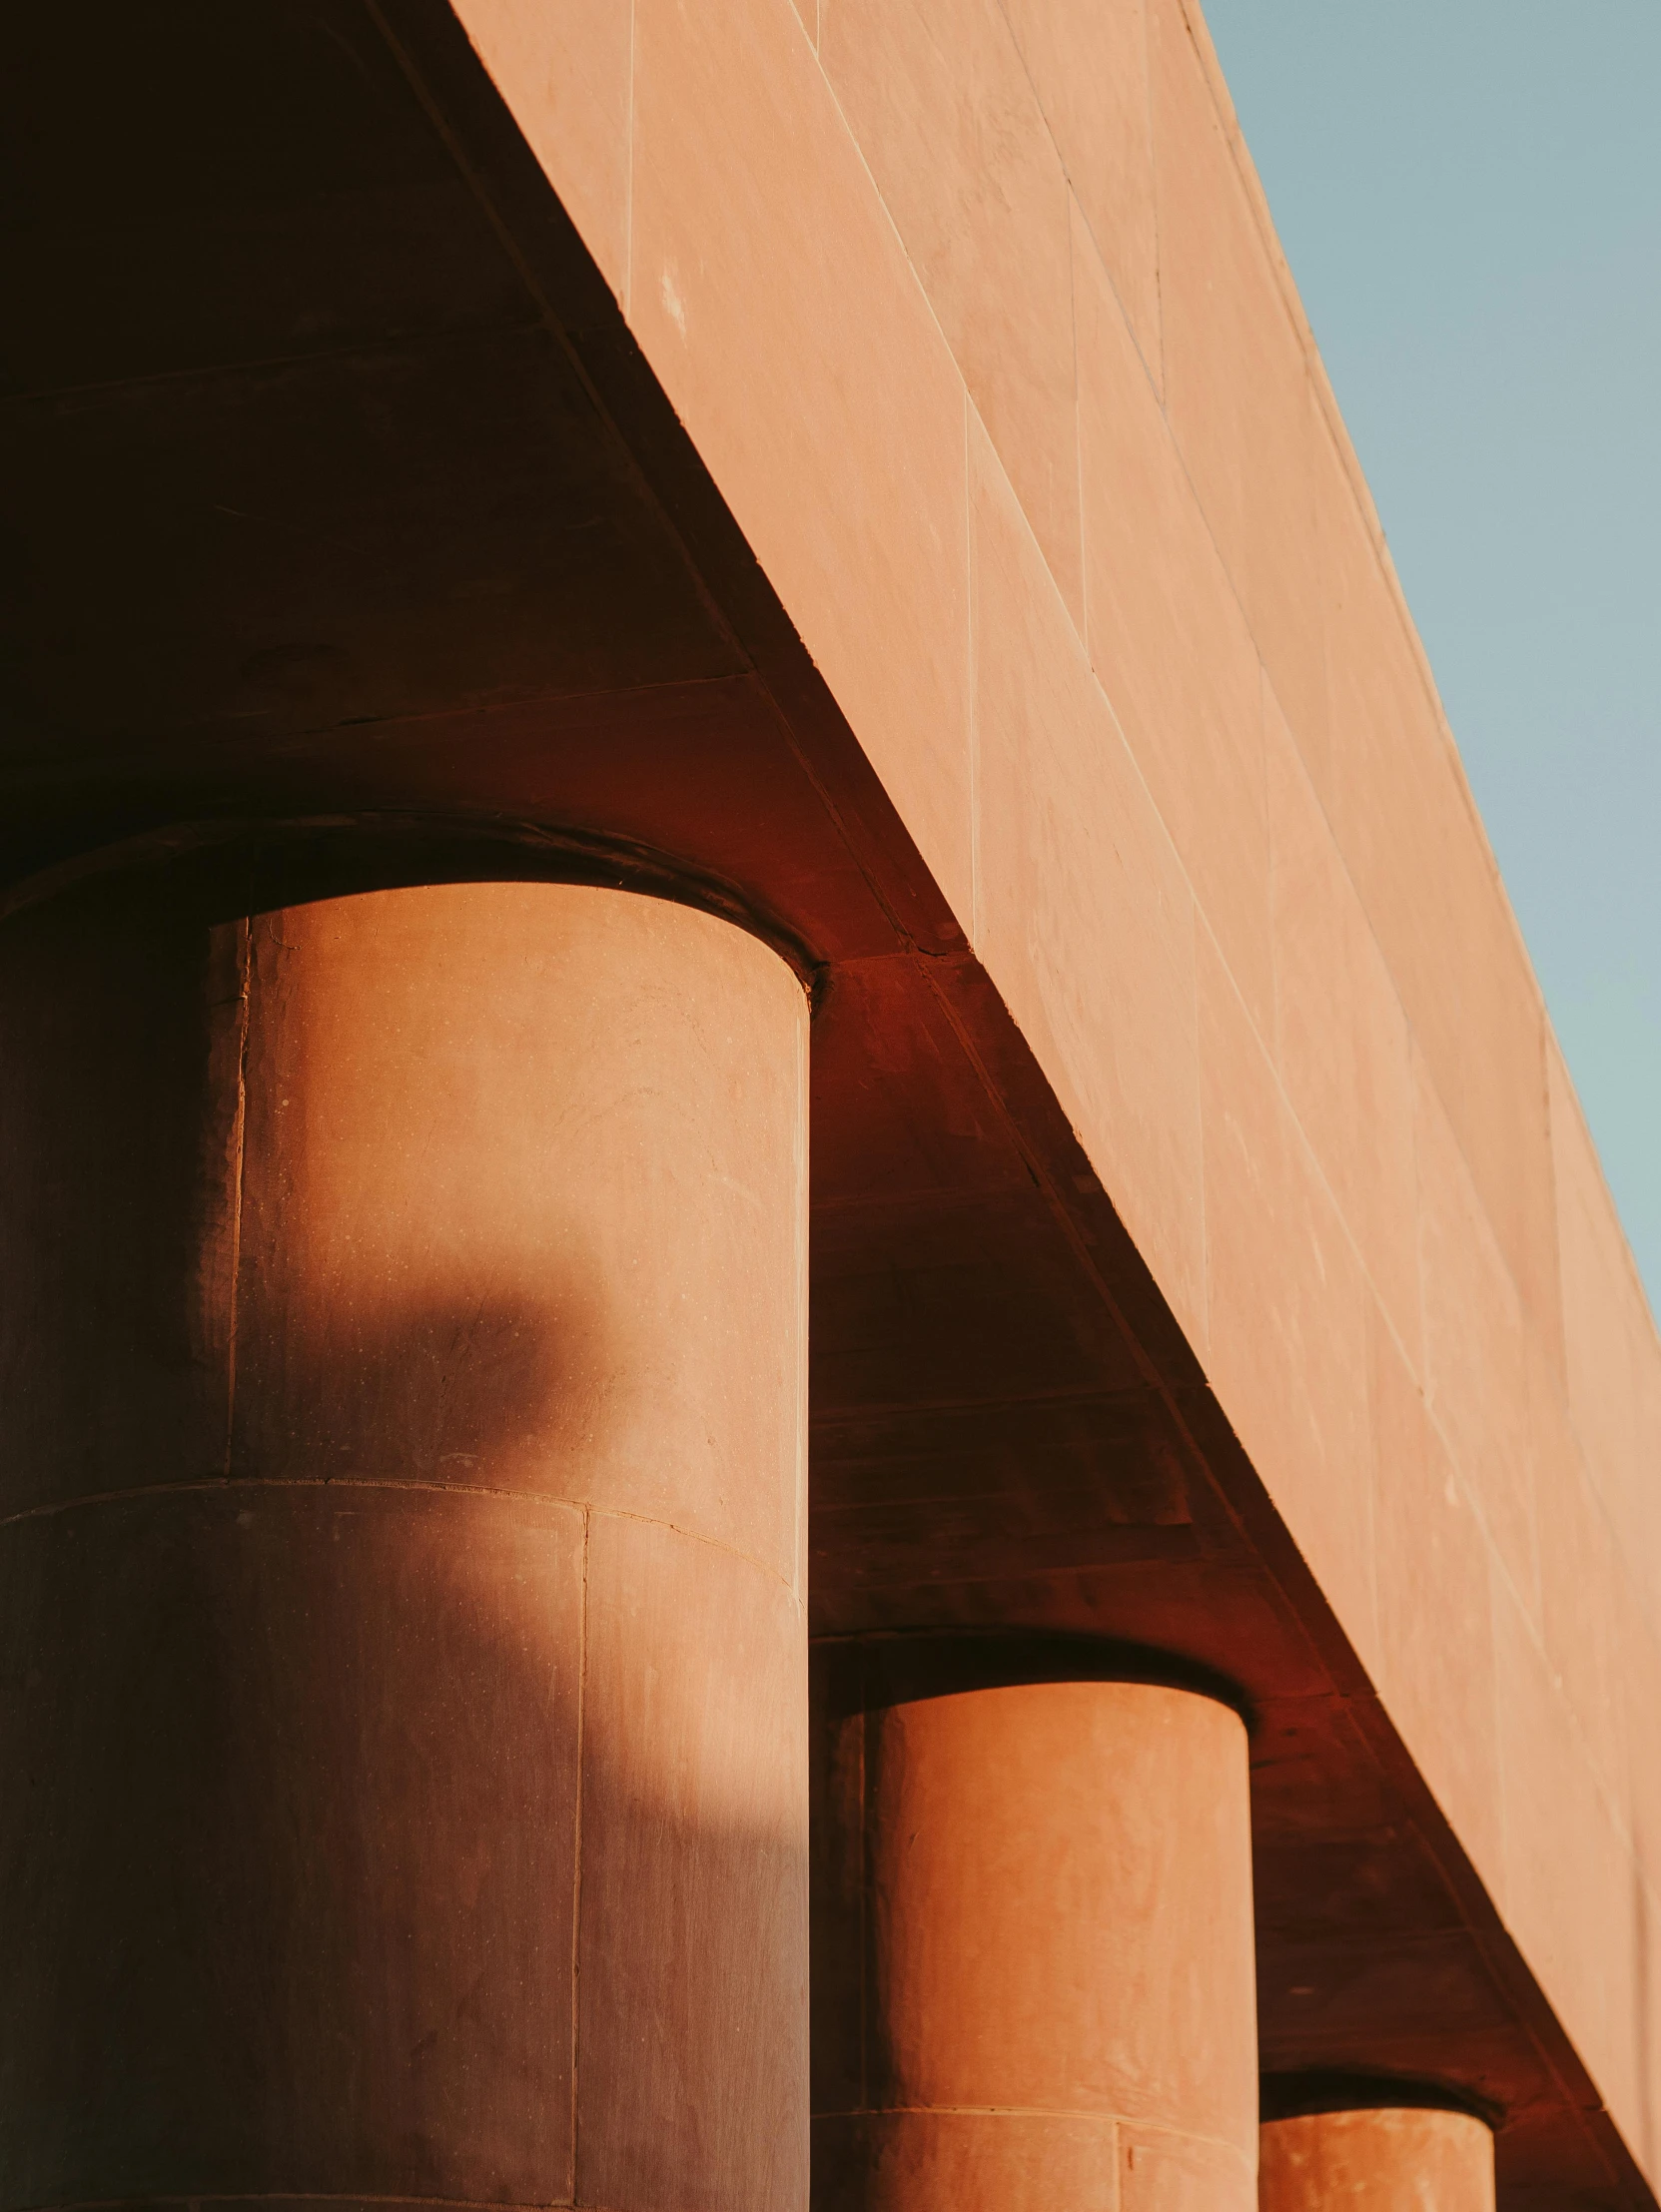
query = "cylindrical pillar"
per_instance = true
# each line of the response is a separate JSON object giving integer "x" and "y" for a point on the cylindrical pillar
{"x": 402, "y": 1709}
{"x": 1048, "y": 1888}
{"x": 1376, "y": 2161}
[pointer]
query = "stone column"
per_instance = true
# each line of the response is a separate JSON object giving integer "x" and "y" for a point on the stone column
{"x": 1377, "y": 2160}
{"x": 403, "y": 1717}
{"x": 1046, "y": 1919}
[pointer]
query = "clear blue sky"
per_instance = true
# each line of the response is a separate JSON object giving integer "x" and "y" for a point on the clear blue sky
{"x": 1469, "y": 194}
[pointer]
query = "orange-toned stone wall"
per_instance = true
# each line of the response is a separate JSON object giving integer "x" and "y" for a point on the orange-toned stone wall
{"x": 974, "y": 311}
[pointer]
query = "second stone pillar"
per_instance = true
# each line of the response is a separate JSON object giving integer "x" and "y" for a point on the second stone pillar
{"x": 1046, "y": 1943}
{"x": 1377, "y": 2158}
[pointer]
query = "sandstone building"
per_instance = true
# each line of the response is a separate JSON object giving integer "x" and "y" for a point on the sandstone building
{"x": 779, "y": 1184}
